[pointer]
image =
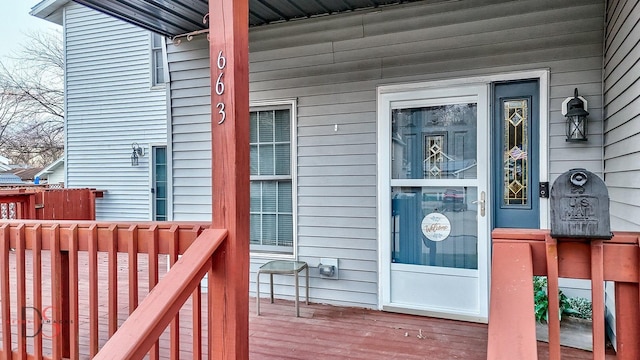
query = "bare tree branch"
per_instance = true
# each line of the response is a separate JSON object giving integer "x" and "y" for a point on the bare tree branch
{"x": 31, "y": 101}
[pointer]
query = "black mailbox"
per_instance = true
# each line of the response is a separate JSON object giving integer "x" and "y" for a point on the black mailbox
{"x": 580, "y": 206}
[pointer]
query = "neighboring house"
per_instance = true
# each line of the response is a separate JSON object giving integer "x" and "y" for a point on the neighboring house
{"x": 26, "y": 174}
{"x": 10, "y": 179}
{"x": 4, "y": 164}
{"x": 115, "y": 99}
{"x": 53, "y": 174}
{"x": 391, "y": 139}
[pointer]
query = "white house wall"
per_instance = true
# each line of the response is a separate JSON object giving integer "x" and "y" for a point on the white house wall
{"x": 622, "y": 110}
{"x": 110, "y": 105}
{"x": 333, "y": 66}
{"x": 622, "y": 123}
{"x": 57, "y": 176}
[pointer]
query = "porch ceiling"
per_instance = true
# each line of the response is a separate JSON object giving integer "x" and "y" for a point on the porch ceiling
{"x": 171, "y": 18}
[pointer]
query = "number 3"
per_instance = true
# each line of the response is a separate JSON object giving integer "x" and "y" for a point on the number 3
{"x": 221, "y": 112}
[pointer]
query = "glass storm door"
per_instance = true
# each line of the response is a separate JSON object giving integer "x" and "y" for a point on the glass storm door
{"x": 435, "y": 219}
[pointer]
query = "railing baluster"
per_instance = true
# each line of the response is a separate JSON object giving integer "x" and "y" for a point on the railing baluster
{"x": 58, "y": 294}
{"x": 197, "y": 322}
{"x": 37, "y": 290}
{"x": 73, "y": 292}
{"x": 21, "y": 273}
{"x": 113, "y": 279}
{"x": 175, "y": 324}
{"x": 133, "y": 268}
{"x": 152, "y": 251}
{"x": 4, "y": 289}
{"x": 552, "y": 295}
{"x": 597, "y": 299}
{"x": 211, "y": 300}
{"x": 93, "y": 289}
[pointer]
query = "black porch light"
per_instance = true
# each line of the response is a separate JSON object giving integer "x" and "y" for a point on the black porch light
{"x": 575, "y": 110}
{"x": 137, "y": 152}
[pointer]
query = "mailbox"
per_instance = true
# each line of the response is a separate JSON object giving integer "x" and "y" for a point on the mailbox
{"x": 580, "y": 206}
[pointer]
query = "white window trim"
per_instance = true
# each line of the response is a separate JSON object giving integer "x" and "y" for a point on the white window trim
{"x": 292, "y": 105}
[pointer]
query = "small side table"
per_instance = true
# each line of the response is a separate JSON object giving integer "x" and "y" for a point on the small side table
{"x": 284, "y": 267}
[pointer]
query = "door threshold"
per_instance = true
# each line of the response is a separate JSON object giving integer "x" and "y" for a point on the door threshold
{"x": 436, "y": 314}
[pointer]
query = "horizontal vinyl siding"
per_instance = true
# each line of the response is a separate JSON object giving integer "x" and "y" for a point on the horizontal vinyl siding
{"x": 110, "y": 105}
{"x": 333, "y": 66}
{"x": 622, "y": 111}
{"x": 191, "y": 129}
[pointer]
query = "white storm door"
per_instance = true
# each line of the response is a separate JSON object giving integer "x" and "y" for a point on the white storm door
{"x": 434, "y": 228}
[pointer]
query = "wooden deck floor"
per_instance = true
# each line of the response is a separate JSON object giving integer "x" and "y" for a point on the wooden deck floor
{"x": 330, "y": 332}
{"x": 321, "y": 331}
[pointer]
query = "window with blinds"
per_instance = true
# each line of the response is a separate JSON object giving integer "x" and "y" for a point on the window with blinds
{"x": 271, "y": 181}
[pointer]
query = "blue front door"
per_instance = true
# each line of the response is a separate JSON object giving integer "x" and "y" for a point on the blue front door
{"x": 515, "y": 159}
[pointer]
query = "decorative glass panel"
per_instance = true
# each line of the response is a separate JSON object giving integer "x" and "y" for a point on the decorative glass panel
{"x": 516, "y": 149}
{"x": 434, "y": 156}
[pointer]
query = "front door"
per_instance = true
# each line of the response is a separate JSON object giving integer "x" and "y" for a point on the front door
{"x": 433, "y": 171}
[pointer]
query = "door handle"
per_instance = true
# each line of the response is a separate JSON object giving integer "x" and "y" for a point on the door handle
{"x": 481, "y": 202}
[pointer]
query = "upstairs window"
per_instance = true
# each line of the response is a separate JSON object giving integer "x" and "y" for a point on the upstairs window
{"x": 157, "y": 61}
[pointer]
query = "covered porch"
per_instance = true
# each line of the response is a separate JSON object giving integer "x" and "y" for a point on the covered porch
{"x": 226, "y": 326}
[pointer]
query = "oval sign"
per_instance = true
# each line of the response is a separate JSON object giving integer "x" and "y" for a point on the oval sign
{"x": 436, "y": 227}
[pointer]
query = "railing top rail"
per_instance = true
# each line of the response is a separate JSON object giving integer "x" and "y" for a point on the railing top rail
{"x": 105, "y": 224}
{"x": 141, "y": 330}
{"x": 103, "y": 234}
{"x": 500, "y": 234}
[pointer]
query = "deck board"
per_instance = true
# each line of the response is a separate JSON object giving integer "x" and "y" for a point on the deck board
{"x": 321, "y": 331}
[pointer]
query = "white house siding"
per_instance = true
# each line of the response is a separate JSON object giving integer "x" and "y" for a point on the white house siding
{"x": 110, "y": 105}
{"x": 333, "y": 65}
{"x": 622, "y": 112}
{"x": 57, "y": 176}
{"x": 622, "y": 121}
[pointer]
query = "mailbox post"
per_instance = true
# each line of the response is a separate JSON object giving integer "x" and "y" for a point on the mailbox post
{"x": 580, "y": 206}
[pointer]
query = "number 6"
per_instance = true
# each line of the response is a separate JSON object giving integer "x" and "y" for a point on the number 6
{"x": 220, "y": 85}
{"x": 222, "y": 61}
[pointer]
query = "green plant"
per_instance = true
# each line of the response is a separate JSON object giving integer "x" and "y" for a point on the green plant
{"x": 541, "y": 301}
{"x": 582, "y": 306}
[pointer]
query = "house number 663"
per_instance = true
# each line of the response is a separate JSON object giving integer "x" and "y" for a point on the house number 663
{"x": 222, "y": 63}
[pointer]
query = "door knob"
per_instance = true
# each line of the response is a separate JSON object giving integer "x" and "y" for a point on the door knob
{"x": 481, "y": 202}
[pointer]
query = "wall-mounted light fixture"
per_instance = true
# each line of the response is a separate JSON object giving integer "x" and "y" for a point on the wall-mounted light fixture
{"x": 137, "y": 152}
{"x": 575, "y": 110}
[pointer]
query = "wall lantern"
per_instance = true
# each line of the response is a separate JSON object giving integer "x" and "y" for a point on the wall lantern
{"x": 575, "y": 110}
{"x": 137, "y": 152}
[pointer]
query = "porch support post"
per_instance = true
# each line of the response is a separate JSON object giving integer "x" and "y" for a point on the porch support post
{"x": 229, "y": 62}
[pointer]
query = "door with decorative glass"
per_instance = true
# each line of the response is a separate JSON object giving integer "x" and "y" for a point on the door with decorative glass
{"x": 433, "y": 161}
{"x": 516, "y": 154}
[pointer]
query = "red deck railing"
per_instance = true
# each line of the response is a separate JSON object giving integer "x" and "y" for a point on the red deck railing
{"x": 519, "y": 254}
{"x": 140, "y": 332}
{"x": 40, "y": 313}
{"x": 48, "y": 204}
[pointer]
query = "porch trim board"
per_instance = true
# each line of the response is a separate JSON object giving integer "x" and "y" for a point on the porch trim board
{"x": 383, "y": 182}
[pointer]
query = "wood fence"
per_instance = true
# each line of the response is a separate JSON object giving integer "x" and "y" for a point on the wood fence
{"x": 48, "y": 204}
